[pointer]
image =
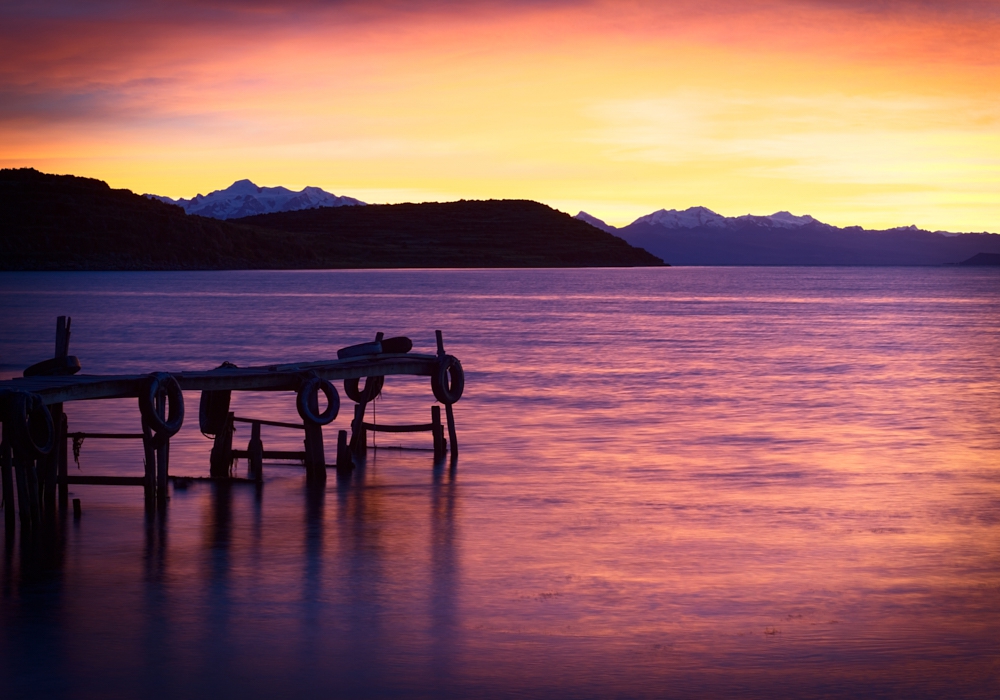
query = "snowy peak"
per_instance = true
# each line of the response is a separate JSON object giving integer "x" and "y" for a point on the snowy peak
{"x": 689, "y": 218}
{"x": 784, "y": 219}
{"x": 696, "y": 217}
{"x": 595, "y": 222}
{"x": 244, "y": 198}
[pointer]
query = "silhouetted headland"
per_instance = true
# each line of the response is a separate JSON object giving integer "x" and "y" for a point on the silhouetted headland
{"x": 63, "y": 222}
{"x": 983, "y": 260}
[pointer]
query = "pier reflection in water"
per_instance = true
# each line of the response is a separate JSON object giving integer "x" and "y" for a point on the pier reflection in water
{"x": 673, "y": 483}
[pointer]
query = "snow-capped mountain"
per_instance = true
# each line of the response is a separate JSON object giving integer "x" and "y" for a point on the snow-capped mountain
{"x": 696, "y": 217}
{"x": 244, "y": 198}
{"x": 699, "y": 236}
{"x": 595, "y": 222}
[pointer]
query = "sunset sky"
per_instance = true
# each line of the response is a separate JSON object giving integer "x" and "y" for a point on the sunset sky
{"x": 878, "y": 113}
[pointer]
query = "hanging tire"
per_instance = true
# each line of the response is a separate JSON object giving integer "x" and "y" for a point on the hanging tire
{"x": 164, "y": 426}
{"x": 373, "y": 387}
{"x": 448, "y": 382}
{"x": 308, "y": 392}
{"x": 213, "y": 411}
{"x": 54, "y": 367}
{"x": 32, "y": 430}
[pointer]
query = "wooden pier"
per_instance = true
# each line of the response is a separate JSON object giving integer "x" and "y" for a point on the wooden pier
{"x": 36, "y": 443}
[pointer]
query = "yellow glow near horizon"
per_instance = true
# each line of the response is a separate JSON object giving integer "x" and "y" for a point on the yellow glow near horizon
{"x": 876, "y": 119}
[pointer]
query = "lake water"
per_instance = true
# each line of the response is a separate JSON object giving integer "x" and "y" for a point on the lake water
{"x": 680, "y": 482}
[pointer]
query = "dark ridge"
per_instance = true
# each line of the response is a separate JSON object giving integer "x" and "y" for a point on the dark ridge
{"x": 63, "y": 222}
{"x": 491, "y": 233}
{"x": 983, "y": 259}
{"x": 751, "y": 243}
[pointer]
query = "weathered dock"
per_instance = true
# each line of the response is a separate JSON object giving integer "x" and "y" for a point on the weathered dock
{"x": 36, "y": 442}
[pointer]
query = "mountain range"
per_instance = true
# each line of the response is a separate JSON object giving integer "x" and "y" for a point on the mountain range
{"x": 699, "y": 236}
{"x": 244, "y": 198}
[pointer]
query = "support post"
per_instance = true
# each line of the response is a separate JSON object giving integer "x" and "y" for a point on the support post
{"x": 437, "y": 430}
{"x": 149, "y": 455}
{"x": 162, "y": 455}
{"x": 450, "y": 414}
{"x": 7, "y": 476}
{"x": 21, "y": 468}
{"x": 359, "y": 435}
{"x": 222, "y": 450}
{"x": 48, "y": 466}
{"x": 255, "y": 453}
{"x": 34, "y": 492}
{"x": 62, "y": 336}
{"x": 315, "y": 458}
{"x": 344, "y": 462}
{"x": 64, "y": 448}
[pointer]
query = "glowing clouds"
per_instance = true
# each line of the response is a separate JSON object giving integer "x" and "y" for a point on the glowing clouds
{"x": 875, "y": 117}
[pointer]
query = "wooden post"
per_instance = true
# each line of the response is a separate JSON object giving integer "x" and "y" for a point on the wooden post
{"x": 34, "y": 493}
{"x": 162, "y": 454}
{"x": 437, "y": 431}
{"x": 8, "y": 485}
{"x": 450, "y": 414}
{"x": 255, "y": 453}
{"x": 222, "y": 450}
{"x": 23, "y": 509}
{"x": 27, "y": 490}
{"x": 149, "y": 453}
{"x": 48, "y": 466}
{"x": 62, "y": 336}
{"x": 315, "y": 458}
{"x": 359, "y": 435}
{"x": 60, "y": 462}
{"x": 344, "y": 462}
{"x": 63, "y": 463}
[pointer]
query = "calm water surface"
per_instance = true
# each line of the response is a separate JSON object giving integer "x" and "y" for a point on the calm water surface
{"x": 673, "y": 483}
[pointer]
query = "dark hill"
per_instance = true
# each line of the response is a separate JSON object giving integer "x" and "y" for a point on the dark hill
{"x": 63, "y": 222}
{"x": 751, "y": 243}
{"x": 492, "y": 233}
{"x": 983, "y": 260}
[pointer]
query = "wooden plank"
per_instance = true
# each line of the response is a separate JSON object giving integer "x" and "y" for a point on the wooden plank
{"x": 277, "y": 424}
{"x": 106, "y": 436}
{"x": 298, "y": 455}
{"x": 107, "y": 480}
{"x": 273, "y": 378}
{"x": 423, "y": 427}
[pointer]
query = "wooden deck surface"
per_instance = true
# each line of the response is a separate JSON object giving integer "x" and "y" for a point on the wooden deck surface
{"x": 283, "y": 377}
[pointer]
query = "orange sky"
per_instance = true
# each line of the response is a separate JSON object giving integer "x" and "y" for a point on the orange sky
{"x": 879, "y": 114}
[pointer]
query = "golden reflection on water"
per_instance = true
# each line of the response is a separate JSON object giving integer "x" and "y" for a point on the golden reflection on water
{"x": 683, "y": 483}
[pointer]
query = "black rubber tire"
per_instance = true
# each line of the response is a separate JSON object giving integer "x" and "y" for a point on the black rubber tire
{"x": 213, "y": 411}
{"x": 400, "y": 344}
{"x": 448, "y": 382}
{"x": 54, "y": 367}
{"x": 311, "y": 387}
{"x": 373, "y": 387}
{"x": 164, "y": 427}
{"x": 30, "y": 417}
